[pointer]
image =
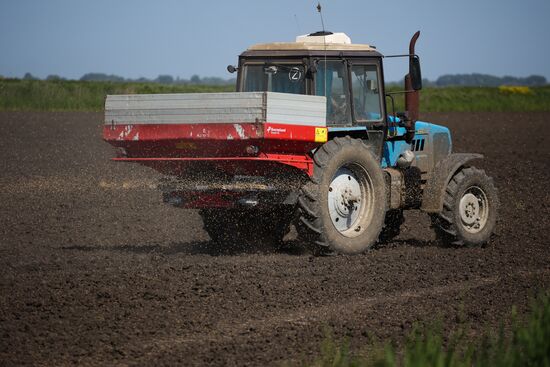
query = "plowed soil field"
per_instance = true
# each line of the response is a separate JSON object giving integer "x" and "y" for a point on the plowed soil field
{"x": 95, "y": 270}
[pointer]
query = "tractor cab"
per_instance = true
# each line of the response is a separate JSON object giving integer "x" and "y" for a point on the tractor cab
{"x": 350, "y": 76}
{"x": 322, "y": 64}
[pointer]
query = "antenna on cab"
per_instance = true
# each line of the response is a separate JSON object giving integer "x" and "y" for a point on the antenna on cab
{"x": 320, "y": 11}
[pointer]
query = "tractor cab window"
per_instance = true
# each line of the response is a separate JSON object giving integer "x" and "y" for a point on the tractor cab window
{"x": 332, "y": 82}
{"x": 366, "y": 93}
{"x": 274, "y": 77}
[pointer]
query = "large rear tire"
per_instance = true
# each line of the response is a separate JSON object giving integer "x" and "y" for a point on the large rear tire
{"x": 342, "y": 208}
{"x": 470, "y": 209}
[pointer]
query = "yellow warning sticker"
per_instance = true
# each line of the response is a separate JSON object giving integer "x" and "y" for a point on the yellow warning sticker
{"x": 321, "y": 134}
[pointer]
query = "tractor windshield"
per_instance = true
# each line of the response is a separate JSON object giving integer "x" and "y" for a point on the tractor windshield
{"x": 280, "y": 77}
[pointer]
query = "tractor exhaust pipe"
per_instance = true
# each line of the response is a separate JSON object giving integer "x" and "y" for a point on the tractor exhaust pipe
{"x": 413, "y": 83}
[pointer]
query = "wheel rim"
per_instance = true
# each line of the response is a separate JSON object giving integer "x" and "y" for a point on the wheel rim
{"x": 474, "y": 209}
{"x": 350, "y": 199}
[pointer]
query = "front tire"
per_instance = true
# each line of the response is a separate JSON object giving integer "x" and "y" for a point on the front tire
{"x": 342, "y": 208}
{"x": 470, "y": 209}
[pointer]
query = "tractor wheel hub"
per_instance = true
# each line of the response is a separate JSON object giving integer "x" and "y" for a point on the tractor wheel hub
{"x": 344, "y": 199}
{"x": 474, "y": 209}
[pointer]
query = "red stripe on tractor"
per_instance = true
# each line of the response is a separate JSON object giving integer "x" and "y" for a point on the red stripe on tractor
{"x": 152, "y": 132}
{"x": 289, "y": 132}
{"x": 222, "y": 144}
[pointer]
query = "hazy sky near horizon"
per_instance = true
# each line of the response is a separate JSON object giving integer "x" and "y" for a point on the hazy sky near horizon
{"x": 181, "y": 38}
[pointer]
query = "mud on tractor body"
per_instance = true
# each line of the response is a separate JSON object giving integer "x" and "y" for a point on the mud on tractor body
{"x": 307, "y": 139}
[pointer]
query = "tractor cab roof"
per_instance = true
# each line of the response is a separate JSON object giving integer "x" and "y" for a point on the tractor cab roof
{"x": 314, "y": 44}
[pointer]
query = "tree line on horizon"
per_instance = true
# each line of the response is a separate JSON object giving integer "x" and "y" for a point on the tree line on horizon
{"x": 161, "y": 79}
{"x": 485, "y": 80}
{"x": 448, "y": 80}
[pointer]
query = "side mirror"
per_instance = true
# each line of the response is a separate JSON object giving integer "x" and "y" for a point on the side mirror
{"x": 415, "y": 73}
{"x": 272, "y": 69}
{"x": 231, "y": 69}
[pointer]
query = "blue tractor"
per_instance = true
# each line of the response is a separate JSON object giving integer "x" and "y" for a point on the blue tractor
{"x": 375, "y": 163}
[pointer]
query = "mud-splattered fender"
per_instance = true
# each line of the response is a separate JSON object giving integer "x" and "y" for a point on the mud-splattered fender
{"x": 432, "y": 197}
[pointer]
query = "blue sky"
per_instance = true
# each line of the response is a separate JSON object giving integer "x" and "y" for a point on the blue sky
{"x": 182, "y": 38}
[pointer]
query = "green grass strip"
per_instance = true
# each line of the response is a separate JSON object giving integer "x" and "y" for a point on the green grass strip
{"x": 60, "y": 95}
{"x": 528, "y": 344}
{"x": 40, "y": 95}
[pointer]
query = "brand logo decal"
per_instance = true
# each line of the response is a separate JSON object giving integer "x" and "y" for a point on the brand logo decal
{"x": 275, "y": 130}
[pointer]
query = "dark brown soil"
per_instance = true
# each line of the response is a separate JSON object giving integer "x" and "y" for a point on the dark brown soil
{"x": 96, "y": 270}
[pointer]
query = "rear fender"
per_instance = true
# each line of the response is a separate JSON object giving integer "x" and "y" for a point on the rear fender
{"x": 432, "y": 197}
{"x": 373, "y": 139}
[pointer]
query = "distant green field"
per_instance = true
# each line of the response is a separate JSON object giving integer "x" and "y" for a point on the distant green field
{"x": 481, "y": 99}
{"x": 39, "y": 95}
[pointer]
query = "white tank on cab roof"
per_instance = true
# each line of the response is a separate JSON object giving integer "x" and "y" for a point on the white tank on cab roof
{"x": 340, "y": 38}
